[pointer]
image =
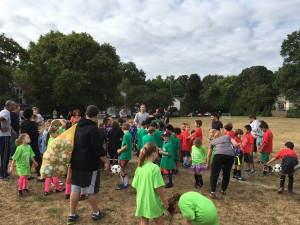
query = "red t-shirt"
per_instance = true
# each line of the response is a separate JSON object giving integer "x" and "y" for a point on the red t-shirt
{"x": 74, "y": 119}
{"x": 198, "y": 133}
{"x": 186, "y": 143}
{"x": 268, "y": 139}
{"x": 286, "y": 152}
{"x": 180, "y": 137}
{"x": 239, "y": 142}
{"x": 247, "y": 141}
{"x": 230, "y": 133}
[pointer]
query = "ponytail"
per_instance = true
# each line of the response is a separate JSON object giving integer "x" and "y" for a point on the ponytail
{"x": 172, "y": 202}
{"x": 19, "y": 140}
{"x": 148, "y": 149}
{"x": 142, "y": 157}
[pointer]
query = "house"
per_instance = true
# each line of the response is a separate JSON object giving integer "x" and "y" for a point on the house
{"x": 177, "y": 103}
{"x": 20, "y": 90}
{"x": 281, "y": 106}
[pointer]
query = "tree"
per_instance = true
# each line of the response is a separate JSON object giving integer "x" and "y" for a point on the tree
{"x": 132, "y": 73}
{"x": 290, "y": 49}
{"x": 72, "y": 71}
{"x": 191, "y": 102}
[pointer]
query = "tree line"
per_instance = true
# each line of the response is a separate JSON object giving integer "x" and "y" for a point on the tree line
{"x": 67, "y": 71}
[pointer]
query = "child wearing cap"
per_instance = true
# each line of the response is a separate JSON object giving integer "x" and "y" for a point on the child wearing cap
{"x": 167, "y": 160}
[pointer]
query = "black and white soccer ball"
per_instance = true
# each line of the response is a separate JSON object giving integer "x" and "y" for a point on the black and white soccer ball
{"x": 277, "y": 168}
{"x": 116, "y": 169}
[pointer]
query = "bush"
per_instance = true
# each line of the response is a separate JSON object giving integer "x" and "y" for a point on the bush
{"x": 293, "y": 113}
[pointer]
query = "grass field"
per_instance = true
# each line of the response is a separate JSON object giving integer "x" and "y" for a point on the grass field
{"x": 254, "y": 201}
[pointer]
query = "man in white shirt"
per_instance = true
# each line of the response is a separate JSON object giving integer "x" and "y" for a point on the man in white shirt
{"x": 5, "y": 135}
{"x": 254, "y": 130}
{"x": 141, "y": 116}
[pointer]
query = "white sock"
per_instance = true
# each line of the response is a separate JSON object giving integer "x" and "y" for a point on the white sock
{"x": 125, "y": 182}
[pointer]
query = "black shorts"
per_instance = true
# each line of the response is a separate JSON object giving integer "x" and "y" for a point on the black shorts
{"x": 85, "y": 182}
{"x": 238, "y": 160}
{"x": 248, "y": 158}
{"x": 288, "y": 163}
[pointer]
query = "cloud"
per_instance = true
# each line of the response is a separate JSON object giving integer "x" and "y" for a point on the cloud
{"x": 170, "y": 37}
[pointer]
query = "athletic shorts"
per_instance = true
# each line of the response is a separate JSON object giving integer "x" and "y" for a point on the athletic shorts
{"x": 124, "y": 163}
{"x": 288, "y": 163}
{"x": 85, "y": 182}
{"x": 186, "y": 153}
{"x": 265, "y": 157}
{"x": 165, "y": 171}
{"x": 248, "y": 158}
{"x": 238, "y": 160}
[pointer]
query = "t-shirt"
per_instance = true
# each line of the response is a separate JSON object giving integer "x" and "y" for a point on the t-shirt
{"x": 223, "y": 145}
{"x": 177, "y": 147}
{"x": 198, "y": 133}
{"x": 139, "y": 135}
{"x": 44, "y": 144}
{"x": 74, "y": 119}
{"x": 5, "y": 123}
{"x": 22, "y": 156}
{"x": 186, "y": 144}
{"x": 140, "y": 117}
{"x": 132, "y": 131}
{"x": 229, "y": 133}
{"x": 198, "y": 155}
{"x": 268, "y": 139}
{"x": 247, "y": 142}
{"x": 239, "y": 142}
{"x": 286, "y": 152}
{"x": 149, "y": 138}
{"x": 146, "y": 179}
{"x": 15, "y": 121}
{"x": 198, "y": 209}
{"x": 167, "y": 161}
{"x": 254, "y": 128}
{"x": 158, "y": 137}
{"x": 150, "y": 119}
{"x": 217, "y": 125}
{"x": 127, "y": 140}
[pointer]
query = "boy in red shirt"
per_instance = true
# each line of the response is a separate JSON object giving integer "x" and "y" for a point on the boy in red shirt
{"x": 198, "y": 131}
{"x": 238, "y": 158}
{"x": 228, "y": 130}
{"x": 247, "y": 147}
{"x": 185, "y": 146}
{"x": 266, "y": 146}
{"x": 289, "y": 161}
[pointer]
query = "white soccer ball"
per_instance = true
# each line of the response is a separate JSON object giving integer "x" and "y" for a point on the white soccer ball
{"x": 277, "y": 168}
{"x": 115, "y": 169}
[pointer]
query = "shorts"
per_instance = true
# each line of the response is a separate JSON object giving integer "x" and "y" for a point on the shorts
{"x": 248, "y": 158}
{"x": 85, "y": 182}
{"x": 124, "y": 163}
{"x": 288, "y": 163}
{"x": 238, "y": 160}
{"x": 198, "y": 168}
{"x": 186, "y": 153}
{"x": 165, "y": 171}
{"x": 264, "y": 157}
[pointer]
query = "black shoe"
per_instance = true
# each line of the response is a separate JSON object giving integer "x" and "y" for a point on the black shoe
{"x": 30, "y": 178}
{"x": 83, "y": 197}
{"x": 72, "y": 219}
{"x": 60, "y": 190}
{"x": 20, "y": 193}
{"x": 48, "y": 193}
{"x": 198, "y": 185}
{"x": 223, "y": 193}
{"x": 96, "y": 217}
{"x": 290, "y": 190}
{"x": 67, "y": 196}
{"x": 40, "y": 180}
{"x": 168, "y": 185}
{"x": 26, "y": 191}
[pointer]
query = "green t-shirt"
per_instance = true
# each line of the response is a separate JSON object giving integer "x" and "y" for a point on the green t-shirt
{"x": 149, "y": 138}
{"x": 158, "y": 137}
{"x": 167, "y": 161}
{"x": 212, "y": 155}
{"x": 139, "y": 135}
{"x": 146, "y": 179}
{"x": 127, "y": 140}
{"x": 22, "y": 157}
{"x": 198, "y": 209}
{"x": 198, "y": 155}
{"x": 177, "y": 147}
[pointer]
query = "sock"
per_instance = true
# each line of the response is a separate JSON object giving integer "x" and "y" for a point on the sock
{"x": 125, "y": 182}
{"x": 25, "y": 182}
{"x": 185, "y": 160}
{"x": 20, "y": 183}
{"x": 239, "y": 173}
{"x": 47, "y": 184}
{"x": 196, "y": 177}
{"x": 282, "y": 180}
{"x": 170, "y": 178}
{"x": 291, "y": 182}
{"x": 97, "y": 213}
{"x": 56, "y": 183}
{"x": 200, "y": 179}
{"x": 68, "y": 189}
{"x": 122, "y": 179}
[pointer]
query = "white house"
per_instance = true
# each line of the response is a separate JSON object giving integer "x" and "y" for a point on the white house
{"x": 177, "y": 103}
{"x": 282, "y": 103}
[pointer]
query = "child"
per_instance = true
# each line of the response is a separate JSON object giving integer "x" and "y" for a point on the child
{"x": 44, "y": 137}
{"x": 133, "y": 130}
{"x": 186, "y": 145}
{"x": 228, "y": 130}
{"x": 139, "y": 136}
{"x": 177, "y": 148}
{"x": 22, "y": 156}
{"x": 238, "y": 134}
{"x": 157, "y": 134}
{"x": 150, "y": 136}
{"x": 198, "y": 158}
{"x": 125, "y": 155}
{"x": 248, "y": 147}
{"x": 267, "y": 143}
{"x": 53, "y": 132}
{"x": 289, "y": 161}
{"x": 259, "y": 137}
{"x": 148, "y": 183}
{"x": 167, "y": 159}
{"x": 198, "y": 131}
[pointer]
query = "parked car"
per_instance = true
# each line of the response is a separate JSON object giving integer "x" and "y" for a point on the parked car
{"x": 192, "y": 114}
{"x": 207, "y": 114}
{"x": 200, "y": 114}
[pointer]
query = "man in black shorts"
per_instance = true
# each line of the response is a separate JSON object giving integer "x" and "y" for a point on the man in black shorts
{"x": 85, "y": 163}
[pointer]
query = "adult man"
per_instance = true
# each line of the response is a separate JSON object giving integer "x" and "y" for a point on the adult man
{"x": 216, "y": 124}
{"x": 5, "y": 135}
{"x": 85, "y": 163}
{"x": 166, "y": 116}
{"x": 141, "y": 116}
{"x": 254, "y": 130}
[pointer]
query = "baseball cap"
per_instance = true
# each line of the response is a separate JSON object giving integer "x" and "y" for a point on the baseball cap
{"x": 167, "y": 133}
{"x": 92, "y": 111}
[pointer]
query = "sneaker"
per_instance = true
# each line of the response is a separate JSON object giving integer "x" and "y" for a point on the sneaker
{"x": 184, "y": 165}
{"x": 40, "y": 180}
{"x": 252, "y": 172}
{"x": 30, "y": 178}
{"x": 280, "y": 190}
{"x": 212, "y": 195}
{"x": 83, "y": 197}
{"x": 291, "y": 191}
{"x": 235, "y": 176}
{"x": 198, "y": 185}
{"x": 96, "y": 217}
{"x": 168, "y": 185}
{"x": 262, "y": 175}
{"x": 48, "y": 193}
{"x": 223, "y": 193}
{"x": 121, "y": 187}
{"x": 67, "y": 196}
{"x": 241, "y": 178}
{"x": 20, "y": 193}
{"x": 297, "y": 167}
{"x": 72, "y": 219}
{"x": 247, "y": 170}
{"x": 60, "y": 190}
{"x": 26, "y": 191}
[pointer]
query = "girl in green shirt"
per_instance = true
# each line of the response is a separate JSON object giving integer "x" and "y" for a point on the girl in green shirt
{"x": 150, "y": 200}
{"x": 22, "y": 157}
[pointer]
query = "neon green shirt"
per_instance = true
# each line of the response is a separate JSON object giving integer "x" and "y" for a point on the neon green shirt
{"x": 167, "y": 161}
{"x": 22, "y": 156}
{"x": 146, "y": 179}
{"x": 158, "y": 136}
{"x": 149, "y": 138}
{"x": 198, "y": 155}
{"x": 198, "y": 209}
{"x": 127, "y": 140}
{"x": 139, "y": 135}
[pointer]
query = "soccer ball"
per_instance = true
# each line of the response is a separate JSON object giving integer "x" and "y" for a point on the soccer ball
{"x": 115, "y": 169}
{"x": 277, "y": 168}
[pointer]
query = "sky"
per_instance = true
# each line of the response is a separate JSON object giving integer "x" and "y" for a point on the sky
{"x": 166, "y": 37}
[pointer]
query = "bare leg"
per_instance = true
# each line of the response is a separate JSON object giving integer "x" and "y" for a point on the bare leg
{"x": 73, "y": 202}
{"x": 93, "y": 198}
{"x": 159, "y": 220}
{"x": 144, "y": 221}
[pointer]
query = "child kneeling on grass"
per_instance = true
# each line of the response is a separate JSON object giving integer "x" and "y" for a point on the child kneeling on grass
{"x": 150, "y": 200}
{"x": 289, "y": 161}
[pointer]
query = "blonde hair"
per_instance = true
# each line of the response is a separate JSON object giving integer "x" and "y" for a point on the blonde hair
{"x": 148, "y": 149}
{"x": 20, "y": 139}
{"x": 151, "y": 129}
